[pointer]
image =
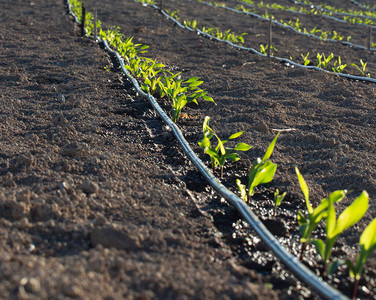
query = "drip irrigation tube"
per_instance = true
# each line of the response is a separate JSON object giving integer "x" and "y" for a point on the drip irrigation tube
{"x": 289, "y": 27}
{"x": 290, "y": 261}
{"x": 285, "y": 60}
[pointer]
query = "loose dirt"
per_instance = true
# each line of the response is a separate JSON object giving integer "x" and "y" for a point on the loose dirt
{"x": 97, "y": 201}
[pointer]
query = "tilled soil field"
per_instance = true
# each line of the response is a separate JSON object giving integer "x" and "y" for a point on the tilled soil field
{"x": 97, "y": 201}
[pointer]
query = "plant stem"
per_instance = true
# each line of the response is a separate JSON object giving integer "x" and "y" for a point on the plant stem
{"x": 355, "y": 289}
{"x": 221, "y": 172}
{"x": 304, "y": 246}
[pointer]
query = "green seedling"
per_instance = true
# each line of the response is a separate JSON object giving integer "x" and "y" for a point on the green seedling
{"x": 178, "y": 91}
{"x": 336, "y": 36}
{"x": 367, "y": 243}
{"x": 173, "y": 14}
{"x": 219, "y": 154}
{"x": 305, "y": 58}
{"x": 227, "y": 35}
{"x": 308, "y": 223}
{"x": 324, "y": 61}
{"x": 264, "y": 49}
{"x": 262, "y": 170}
{"x": 278, "y": 200}
{"x": 334, "y": 227}
{"x": 338, "y": 66}
{"x": 362, "y": 68}
{"x": 190, "y": 24}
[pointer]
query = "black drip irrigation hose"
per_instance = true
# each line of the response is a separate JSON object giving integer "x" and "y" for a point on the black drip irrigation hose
{"x": 336, "y": 13}
{"x": 290, "y": 261}
{"x": 285, "y": 60}
{"x": 288, "y": 26}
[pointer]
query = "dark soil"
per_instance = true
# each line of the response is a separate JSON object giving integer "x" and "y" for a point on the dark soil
{"x": 97, "y": 200}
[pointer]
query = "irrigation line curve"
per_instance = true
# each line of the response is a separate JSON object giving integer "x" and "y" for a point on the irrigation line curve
{"x": 288, "y": 26}
{"x": 322, "y": 15}
{"x": 290, "y": 261}
{"x": 285, "y": 60}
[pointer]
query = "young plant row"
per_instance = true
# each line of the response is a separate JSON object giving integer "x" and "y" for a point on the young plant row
{"x": 354, "y": 17}
{"x": 322, "y": 61}
{"x": 334, "y": 10}
{"x": 262, "y": 171}
{"x": 153, "y": 77}
{"x": 227, "y": 35}
{"x": 298, "y": 26}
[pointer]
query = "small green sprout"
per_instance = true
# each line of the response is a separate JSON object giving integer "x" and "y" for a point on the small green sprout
{"x": 324, "y": 61}
{"x": 173, "y": 14}
{"x": 337, "y": 36}
{"x": 308, "y": 223}
{"x": 367, "y": 243}
{"x": 177, "y": 90}
{"x": 190, "y": 24}
{"x": 338, "y": 66}
{"x": 262, "y": 171}
{"x": 362, "y": 69}
{"x": 278, "y": 200}
{"x": 334, "y": 227}
{"x": 264, "y": 49}
{"x": 305, "y": 58}
{"x": 219, "y": 154}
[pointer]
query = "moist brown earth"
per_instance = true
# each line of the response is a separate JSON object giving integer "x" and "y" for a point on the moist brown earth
{"x": 97, "y": 201}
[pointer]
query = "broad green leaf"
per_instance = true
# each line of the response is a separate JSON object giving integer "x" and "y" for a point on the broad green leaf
{"x": 221, "y": 147}
{"x": 242, "y": 147}
{"x": 320, "y": 246}
{"x": 235, "y": 135}
{"x": 192, "y": 79}
{"x": 233, "y": 156}
{"x": 368, "y": 237}
{"x": 204, "y": 143}
{"x": 264, "y": 176}
{"x": 351, "y": 214}
{"x": 330, "y": 219}
{"x": 212, "y": 154}
{"x": 305, "y": 190}
{"x": 253, "y": 172}
{"x": 270, "y": 149}
{"x": 336, "y": 196}
{"x": 207, "y": 98}
{"x": 195, "y": 84}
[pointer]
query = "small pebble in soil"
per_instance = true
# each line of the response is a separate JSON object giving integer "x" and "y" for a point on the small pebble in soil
{"x": 89, "y": 187}
{"x": 61, "y": 98}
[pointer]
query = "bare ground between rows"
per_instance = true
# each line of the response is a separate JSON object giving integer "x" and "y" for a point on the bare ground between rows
{"x": 333, "y": 118}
